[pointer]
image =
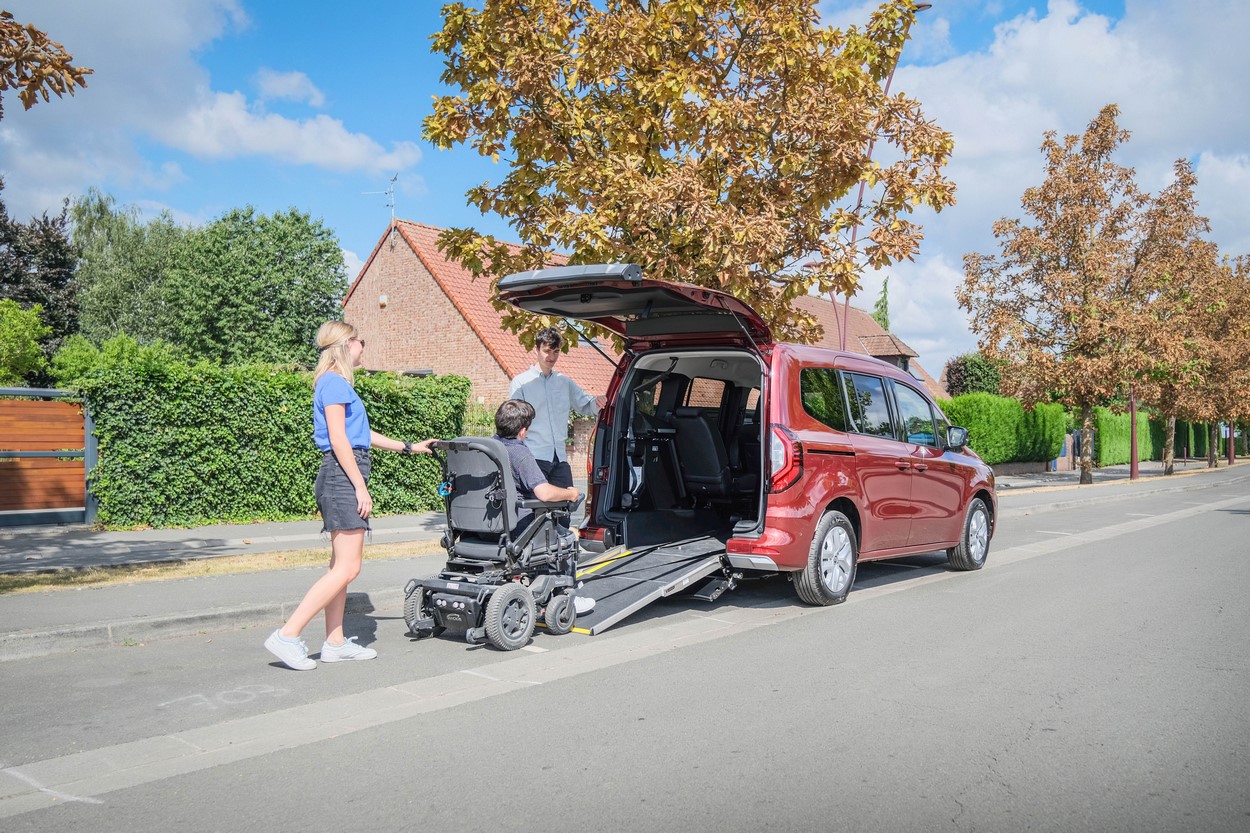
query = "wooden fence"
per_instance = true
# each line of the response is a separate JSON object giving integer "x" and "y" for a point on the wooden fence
{"x": 45, "y": 443}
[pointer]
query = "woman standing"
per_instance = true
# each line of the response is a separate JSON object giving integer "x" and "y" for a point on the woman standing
{"x": 341, "y": 431}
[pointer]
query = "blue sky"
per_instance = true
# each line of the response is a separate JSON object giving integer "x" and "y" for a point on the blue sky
{"x": 200, "y": 106}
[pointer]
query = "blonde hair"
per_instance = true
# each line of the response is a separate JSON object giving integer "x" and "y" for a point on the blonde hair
{"x": 332, "y": 338}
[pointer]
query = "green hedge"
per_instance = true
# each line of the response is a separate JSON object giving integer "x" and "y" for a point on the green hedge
{"x": 185, "y": 445}
{"x": 1001, "y": 431}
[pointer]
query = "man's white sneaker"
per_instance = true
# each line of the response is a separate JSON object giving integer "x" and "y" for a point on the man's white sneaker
{"x": 348, "y": 650}
{"x": 583, "y": 604}
{"x": 292, "y": 652}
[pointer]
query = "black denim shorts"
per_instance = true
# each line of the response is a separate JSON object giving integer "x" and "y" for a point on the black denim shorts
{"x": 336, "y": 496}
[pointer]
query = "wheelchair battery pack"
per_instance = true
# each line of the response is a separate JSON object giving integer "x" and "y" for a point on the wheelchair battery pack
{"x": 454, "y": 611}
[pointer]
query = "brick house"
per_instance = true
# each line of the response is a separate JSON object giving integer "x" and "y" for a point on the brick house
{"x": 420, "y": 312}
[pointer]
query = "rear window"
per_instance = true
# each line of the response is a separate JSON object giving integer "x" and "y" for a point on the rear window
{"x": 821, "y": 392}
{"x": 705, "y": 393}
{"x": 869, "y": 410}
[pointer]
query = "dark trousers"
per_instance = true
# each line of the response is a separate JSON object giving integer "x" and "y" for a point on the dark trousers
{"x": 559, "y": 474}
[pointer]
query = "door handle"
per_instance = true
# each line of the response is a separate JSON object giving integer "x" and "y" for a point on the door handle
{"x": 920, "y": 466}
{"x": 903, "y": 465}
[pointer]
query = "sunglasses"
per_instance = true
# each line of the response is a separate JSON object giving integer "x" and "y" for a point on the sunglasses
{"x": 361, "y": 340}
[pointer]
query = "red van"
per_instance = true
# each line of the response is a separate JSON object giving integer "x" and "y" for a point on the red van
{"x": 721, "y": 451}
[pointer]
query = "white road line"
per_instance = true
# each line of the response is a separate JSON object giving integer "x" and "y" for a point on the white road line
{"x": 59, "y": 796}
{"x": 1053, "y": 532}
{"x": 98, "y": 771}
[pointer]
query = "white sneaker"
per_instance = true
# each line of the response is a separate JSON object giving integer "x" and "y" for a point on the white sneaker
{"x": 348, "y": 650}
{"x": 583, "y": 604}
{"x": 292, "y": 652}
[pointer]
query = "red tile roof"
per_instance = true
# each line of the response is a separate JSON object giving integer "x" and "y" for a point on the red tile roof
{"x": 472, "y": 298}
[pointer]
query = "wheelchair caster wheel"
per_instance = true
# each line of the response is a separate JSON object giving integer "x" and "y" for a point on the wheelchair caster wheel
{"x": 559, "y": 615}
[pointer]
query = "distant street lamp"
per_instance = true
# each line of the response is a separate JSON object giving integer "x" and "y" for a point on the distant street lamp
{"x": 859, "y": 202}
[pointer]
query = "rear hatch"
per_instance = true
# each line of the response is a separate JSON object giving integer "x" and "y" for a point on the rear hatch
{"x": 616, "y": 297}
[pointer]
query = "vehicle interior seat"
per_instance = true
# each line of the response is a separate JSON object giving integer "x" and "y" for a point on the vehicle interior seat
{"x": 701, "y": 452}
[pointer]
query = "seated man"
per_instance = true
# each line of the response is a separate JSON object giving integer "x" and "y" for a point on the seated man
{"x": 512, "y": 423}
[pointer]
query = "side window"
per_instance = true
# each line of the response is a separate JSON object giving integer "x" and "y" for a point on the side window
{"x": 870, "y": 413}
{"x": 821, "y": 393}
{"x": 705, "y": 393}
{"x": 916, "y": 415}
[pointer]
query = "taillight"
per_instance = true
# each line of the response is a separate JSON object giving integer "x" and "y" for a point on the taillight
{"x": 590, "y": 452}
{"x": 785, "y": 459}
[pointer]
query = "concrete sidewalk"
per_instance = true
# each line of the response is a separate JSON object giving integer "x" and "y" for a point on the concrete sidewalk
{"x": 34, "y": 624}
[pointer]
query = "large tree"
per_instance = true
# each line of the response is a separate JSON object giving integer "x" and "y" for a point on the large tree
{"x": 715, "y": 142}
{"x": 123, "y": 266}
{"x": 21, "y": 359}
{"x": 34, "y": 65}
{"x": 37, "y": 268}
{"x": 1058, "y": 301}
{"x": 255, "y": 287}
{"x": 1178, "y": 270}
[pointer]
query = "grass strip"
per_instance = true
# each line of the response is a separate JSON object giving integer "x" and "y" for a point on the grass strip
{"x": 69, "y": 579}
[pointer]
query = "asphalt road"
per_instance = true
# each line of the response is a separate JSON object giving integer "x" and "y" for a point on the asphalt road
{"x": 1094, "y": 676}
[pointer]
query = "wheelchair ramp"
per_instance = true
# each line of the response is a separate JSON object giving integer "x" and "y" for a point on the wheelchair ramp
{"x": 624, "y": 581}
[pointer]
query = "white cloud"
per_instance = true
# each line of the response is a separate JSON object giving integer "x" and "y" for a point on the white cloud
{"x": 223, "y": 126}
{"x": 291, "y": 86}
{"x": 1175, "y": 69}
{"x": 353, "y": 263}
{"x": 150, "y": 98}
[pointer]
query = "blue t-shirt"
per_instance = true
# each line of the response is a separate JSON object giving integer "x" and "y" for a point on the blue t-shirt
{"x": 333, "y": 389}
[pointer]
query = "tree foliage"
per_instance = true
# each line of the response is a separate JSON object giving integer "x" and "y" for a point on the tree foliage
{"x": 254, "y": 287}
{"x": 713, "y": 142}
{"x": 35, "y": 65}
{"x": 21, "y": 357}
{"x": 881, "y": 309}
{"x": 1059, "y": 301}
{"x": 973, "y": 373}
{"x": 123, "y": 266}
{"x": 37, "y": 269}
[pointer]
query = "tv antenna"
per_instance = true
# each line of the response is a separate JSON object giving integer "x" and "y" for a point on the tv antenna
{"x": 390, "y": 200}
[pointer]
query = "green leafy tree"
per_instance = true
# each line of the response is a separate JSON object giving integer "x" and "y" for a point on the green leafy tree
{"x": 973, "y": 373}
{"x": 37, "y": 268}
{"x": 123, "y": 266}
{"x": 714, "y": 142}
{"x": 254, "y": 287}
{"x": 21, "y": 357}
{"x": 80, "y": 357}
{"x": 881, "y": 309}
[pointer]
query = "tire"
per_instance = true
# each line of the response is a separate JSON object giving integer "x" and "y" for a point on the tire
{"x": 559, "y": 615}
{"x": 413, "y": 611}
{"x": 974, "y": 543}
{"x": 510, "y": 616}
{"x": 831, "y": 562}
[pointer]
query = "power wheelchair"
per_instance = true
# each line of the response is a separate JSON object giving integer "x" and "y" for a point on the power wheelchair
{"x": 497, "y": 583}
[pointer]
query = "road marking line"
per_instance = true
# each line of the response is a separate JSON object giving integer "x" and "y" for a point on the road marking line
{"x": 56, "y": 795}
{"x": 1052, "y": 532}
{"x": 95, "y": 772}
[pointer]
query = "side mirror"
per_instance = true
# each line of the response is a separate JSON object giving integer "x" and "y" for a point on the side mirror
{"x": 956, "y": 438}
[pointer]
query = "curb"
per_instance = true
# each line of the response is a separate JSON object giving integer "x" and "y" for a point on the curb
{"x": 123, "y": 632}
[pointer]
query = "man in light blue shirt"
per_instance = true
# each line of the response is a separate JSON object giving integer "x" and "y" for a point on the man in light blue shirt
{"x": 553, "y": 395}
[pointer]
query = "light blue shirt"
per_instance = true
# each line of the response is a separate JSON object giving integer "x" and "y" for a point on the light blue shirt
{"x": 552, "y": 397}
{"x": 333, "y": 389}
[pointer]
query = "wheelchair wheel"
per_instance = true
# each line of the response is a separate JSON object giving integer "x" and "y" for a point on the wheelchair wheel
{"x": 510, "y": 616}
{"x": 559, "y": 615}
{"x": 414, "y": 612}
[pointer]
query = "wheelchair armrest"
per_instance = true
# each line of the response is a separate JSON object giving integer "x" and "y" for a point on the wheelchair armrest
{"x": 553, "y": 506}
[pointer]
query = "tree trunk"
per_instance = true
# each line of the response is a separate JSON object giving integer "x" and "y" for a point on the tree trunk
{"x": 1087, "y": 443}
{"x": 1169, "y": 446}
{"x": 1213, "y": 445}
